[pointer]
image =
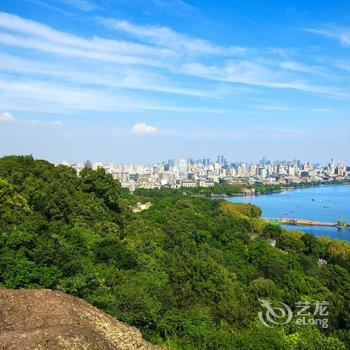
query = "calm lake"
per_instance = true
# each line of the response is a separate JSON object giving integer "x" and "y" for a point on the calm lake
{"x": 323, "y": 203}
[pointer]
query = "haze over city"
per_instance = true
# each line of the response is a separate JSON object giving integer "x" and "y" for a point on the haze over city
{"x": 140, "y": 81}
{"x": 190, "y": 173}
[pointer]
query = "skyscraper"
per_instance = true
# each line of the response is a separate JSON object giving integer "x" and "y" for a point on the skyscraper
{"x": 183, "y": 168}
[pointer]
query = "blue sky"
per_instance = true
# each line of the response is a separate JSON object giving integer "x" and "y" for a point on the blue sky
{"x": 140, "y": 81}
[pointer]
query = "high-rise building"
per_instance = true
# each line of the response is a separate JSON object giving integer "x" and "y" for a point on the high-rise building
{"x": 182, "y": 168}
{"x": 88, "y": 164}
{"x": 221, "y": 159}
{"x": 263, "y": 173}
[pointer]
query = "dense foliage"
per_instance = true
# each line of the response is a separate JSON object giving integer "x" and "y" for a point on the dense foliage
{"x": 216, "y": 190}
{"x": 188, "y": 272}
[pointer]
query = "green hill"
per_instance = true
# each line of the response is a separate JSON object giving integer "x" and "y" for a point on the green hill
{"x": 188, "y": 271}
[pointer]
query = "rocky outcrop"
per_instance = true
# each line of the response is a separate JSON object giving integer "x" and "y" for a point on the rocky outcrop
{"x": 45, "y": 319}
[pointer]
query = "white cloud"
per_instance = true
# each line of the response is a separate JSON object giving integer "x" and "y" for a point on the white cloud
{"x": 174, "y": 6}
{"x": 244, "y": 72}
{"x": 40, "y": 96}
{"x": 252, "y": 73}
{"x": 340, "y": 34}
{"x": 164, "y": 48}
{"x": 6, "y": 117}
{"x": 43, "y": 122}
{"x": 300, "y": 67}
{"x": 135, "y": 79}
{"x": 38, "y": 36}
{"x": 72, "y": 51}
{"x": 82, "y": 5}
{"x": 142, "y": 128}
{"x": 66, "y": 75}
{"x": 166, "y": 37}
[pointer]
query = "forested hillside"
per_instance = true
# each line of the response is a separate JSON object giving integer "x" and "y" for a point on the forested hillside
{"x": 188, "y": 272}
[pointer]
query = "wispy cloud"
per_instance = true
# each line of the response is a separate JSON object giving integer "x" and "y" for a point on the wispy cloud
{"x": 332, "y": 32}
{"x": 165, "y": 37}
{"x": 343, "y": 65}
{"x": 62, "y": 72}
{"x": 43, "y": 122}
{"x": 251, "y": 73}
{"x": 301, "y": 67}
{"x": 40, "y": 37}
{"x": 9, "y": 118}
{"x": 125, "y": 78}
{"x": 174, "y": 5}
{"x": 38, "y": 95}
{"x": 245, "y": 72}
{"x": 82, "y": 5}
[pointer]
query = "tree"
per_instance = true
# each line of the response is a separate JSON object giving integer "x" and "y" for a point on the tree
{"x": 312, "y": 245}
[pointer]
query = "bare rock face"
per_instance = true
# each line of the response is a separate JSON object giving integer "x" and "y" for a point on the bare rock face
{"x": 45, "y": 319}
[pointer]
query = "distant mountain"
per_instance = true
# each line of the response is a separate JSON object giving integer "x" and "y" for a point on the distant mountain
{"x": 46, "y": 319}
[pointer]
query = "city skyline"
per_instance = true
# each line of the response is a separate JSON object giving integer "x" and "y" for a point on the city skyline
{"x": 201, "y": 173}
{"x": 134, "y": 80}
{"x": 210, "y": 160}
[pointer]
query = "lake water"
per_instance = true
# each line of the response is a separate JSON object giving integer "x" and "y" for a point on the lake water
{"x": 322, "y": 203}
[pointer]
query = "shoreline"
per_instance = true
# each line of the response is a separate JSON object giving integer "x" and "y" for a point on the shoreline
{"x": 284, "y": 189}
{"x": 313, "y": 221}
{"x": 292, "y": 188}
